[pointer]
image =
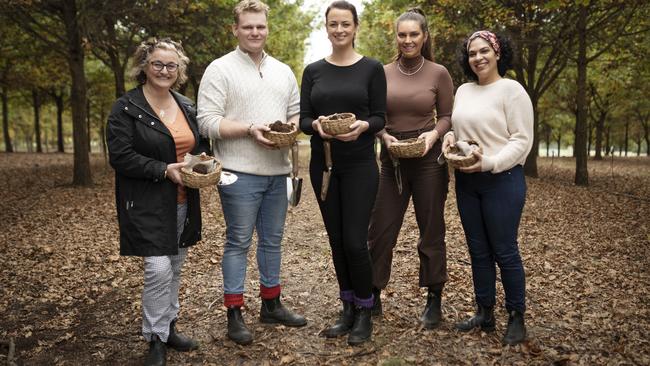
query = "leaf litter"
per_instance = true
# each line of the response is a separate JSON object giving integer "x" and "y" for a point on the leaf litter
{"x": 67, "y": 297}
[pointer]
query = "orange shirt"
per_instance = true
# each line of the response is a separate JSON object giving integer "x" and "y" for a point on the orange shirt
{"x": 184, "y": 140}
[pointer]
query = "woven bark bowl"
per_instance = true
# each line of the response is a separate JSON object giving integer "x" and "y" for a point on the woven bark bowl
{"x": 456, "y": 159}
{"x": 194, "y": 179}
{"x": 281, "y": 139}
{"x": 338, "y": 123}
{"x": 409, "y": 148}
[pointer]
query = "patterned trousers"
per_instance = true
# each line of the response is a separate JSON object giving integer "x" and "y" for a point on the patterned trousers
{"x": 162, "y": 279}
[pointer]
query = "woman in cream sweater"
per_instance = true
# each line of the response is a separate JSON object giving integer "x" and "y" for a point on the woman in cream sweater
{"x": 497, "y": 113}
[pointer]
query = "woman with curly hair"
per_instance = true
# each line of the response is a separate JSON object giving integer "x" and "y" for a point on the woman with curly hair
{"x": 496, "y": 112}
{"x": 149, "y": 131}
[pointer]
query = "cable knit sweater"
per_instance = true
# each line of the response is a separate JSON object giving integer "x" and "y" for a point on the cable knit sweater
{"x": 499, "y": 116}
{"x": 233, "y": 88}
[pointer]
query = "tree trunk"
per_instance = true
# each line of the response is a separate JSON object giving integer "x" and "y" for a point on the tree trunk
{"x": 36, "y": 102}
{"x": 530, "y": 166}
{"x": 548, "y": 139}
{"x": 559, "y": 142}
{"x": 646, "y": 130}
{"x": 88, "y": 125}
{"x": 81, "y": 174}
{"x": 58, "y": 100}
{"x": 627, "y": 136}
{"x": 5, "y": 120}
{"x": 638, "y": 143}
{"x": 608, "y": 147}
{"x": 600, "y": 126}
{"x": 589, "y": 138}
{"x": 582, "y": 173}
{"x": 102, "y": 135}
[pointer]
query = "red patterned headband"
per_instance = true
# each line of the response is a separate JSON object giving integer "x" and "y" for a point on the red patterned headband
{"x": 490, "y": 37}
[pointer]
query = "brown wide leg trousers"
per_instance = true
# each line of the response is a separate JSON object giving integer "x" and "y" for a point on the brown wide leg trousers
{"x": 426, "y": 181}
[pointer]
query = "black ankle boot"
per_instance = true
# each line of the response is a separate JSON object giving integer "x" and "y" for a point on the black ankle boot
{"x": 376, "y": 306}
{"x": 484, "y": 318}
{"x": 237, "y": 330}
{"x": 362, "y": 328}
{"x": 157, "y": 355}
{"x": 344, "y": 324}
{"x": 432, "y": 314}
{"x": 273, "y": 312}
{"x": 180, "y": 342}
{"x": 516, "y": 331}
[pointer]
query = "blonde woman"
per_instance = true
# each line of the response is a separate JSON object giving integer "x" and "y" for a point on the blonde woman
{"x": 149, "y": 131}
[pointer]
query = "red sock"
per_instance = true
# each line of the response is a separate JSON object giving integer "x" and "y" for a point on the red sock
{"x": 268, "y": 293}
{"x": 233, "y": 300}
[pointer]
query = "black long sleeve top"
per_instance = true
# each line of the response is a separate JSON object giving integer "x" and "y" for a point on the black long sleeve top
{"x": 359, "y": 88}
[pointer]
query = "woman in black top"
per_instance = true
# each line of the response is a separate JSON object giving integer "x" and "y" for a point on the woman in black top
{"x": 346, "y": 81}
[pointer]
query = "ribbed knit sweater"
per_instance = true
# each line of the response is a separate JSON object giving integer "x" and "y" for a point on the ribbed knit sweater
{"x": 232, "y": 87}
{"x": 499, "y": 116}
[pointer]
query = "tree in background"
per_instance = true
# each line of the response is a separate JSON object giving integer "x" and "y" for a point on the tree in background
{"x": 58, "y": 25}
{"x": 599, "y": 26}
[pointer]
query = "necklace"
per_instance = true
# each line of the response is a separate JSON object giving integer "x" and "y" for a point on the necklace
{"x": 399, "y": 67}
{"x": 168, "y": 111}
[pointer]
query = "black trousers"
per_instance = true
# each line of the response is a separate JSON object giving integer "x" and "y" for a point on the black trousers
{"x": 346, "y": 214}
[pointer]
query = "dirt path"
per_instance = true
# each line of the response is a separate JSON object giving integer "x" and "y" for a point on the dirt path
{"x": 66, "y": 297}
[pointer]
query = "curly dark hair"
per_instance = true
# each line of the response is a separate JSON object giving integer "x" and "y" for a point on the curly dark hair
{"x": 143, "y": 53}
{"x": 503, "y": 64}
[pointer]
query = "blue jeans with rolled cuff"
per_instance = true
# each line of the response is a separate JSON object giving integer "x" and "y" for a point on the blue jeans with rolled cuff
{"x": 253, "y": 202}
{"x": 490, "y": 207}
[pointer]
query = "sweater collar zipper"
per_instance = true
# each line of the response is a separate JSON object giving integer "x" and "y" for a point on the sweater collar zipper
{"x": 250, "y": 60}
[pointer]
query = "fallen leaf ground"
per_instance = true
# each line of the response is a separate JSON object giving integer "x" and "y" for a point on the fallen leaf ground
{"x": 67, "y": 298}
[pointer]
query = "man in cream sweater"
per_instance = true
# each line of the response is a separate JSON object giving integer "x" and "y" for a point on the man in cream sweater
{"x": 240, "y": 93}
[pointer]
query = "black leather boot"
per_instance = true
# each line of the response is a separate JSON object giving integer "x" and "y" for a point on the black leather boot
{"x": 273, "y": 312}
{"x": 180, "y": 342}
{"x": 432, "y": 314}
{"x": 237, "y": 330}
{"x": 157, "y": 355}
{"x": 376, "y": 306}
{"x": 362, "y": 327}
{"x": 344, "y": 324}
{"x": 516, "y": 331}
{"x": 484, "y": 319}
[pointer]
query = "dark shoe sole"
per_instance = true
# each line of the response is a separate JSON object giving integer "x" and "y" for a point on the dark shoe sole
{"x": 358, "y": 341}
{"x": 431, "y": 325}
{"x": 484, "y": 329}
{"x": 184, "y": 349}
{"x": 275, "y": 321}
{"x": 515, "y": 342}
{"x": 327, "y": 334}
{"x": 243, "y": 342}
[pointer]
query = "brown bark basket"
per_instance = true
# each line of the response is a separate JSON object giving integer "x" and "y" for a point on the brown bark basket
{"x": 338, "y": 123}
{"x": 458, "y": 161}
{"x": 193, "y": 179}
{"x": 409, "y": 148}
{"x": 282, "y": 139}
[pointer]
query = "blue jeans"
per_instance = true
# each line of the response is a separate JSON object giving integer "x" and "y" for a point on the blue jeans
{"x": 253, "y": 202}
{"x": 490, "y": 207}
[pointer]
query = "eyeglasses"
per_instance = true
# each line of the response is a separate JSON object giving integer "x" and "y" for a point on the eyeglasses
{"x": 158, "y": 66}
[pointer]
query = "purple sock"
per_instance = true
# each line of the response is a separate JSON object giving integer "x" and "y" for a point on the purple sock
{"x": 365, "y": 303}
{"x": 347, "y": 295}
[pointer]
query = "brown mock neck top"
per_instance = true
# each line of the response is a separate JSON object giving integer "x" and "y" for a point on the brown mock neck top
{"x": 415, "y": 102}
